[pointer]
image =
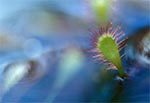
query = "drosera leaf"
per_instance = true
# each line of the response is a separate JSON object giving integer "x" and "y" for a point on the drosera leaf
{"x": 108, "y": 44}
{"x": 108, "y": 47}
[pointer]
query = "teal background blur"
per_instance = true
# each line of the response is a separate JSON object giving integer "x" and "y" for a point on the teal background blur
{"x": 52, "y": 37}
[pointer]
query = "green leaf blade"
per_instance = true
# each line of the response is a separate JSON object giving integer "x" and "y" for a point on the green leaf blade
{"x": 109, "y": 48}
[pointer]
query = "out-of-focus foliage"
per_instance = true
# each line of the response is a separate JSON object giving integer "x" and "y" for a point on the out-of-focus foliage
{"x": 101, "y": 9}
{"x": 35, "y": 57}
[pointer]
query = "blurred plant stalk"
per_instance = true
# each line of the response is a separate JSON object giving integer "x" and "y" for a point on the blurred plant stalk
{"x": 101, "y": 9}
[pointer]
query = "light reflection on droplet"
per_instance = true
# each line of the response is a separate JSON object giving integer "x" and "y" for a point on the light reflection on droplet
{"x": 32, "y": 47}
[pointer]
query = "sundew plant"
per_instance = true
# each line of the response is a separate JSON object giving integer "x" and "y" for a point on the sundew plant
{"x": 74, "y": 51}
{"x": 108, "y": 43}
{"x": 109, "y": 47}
